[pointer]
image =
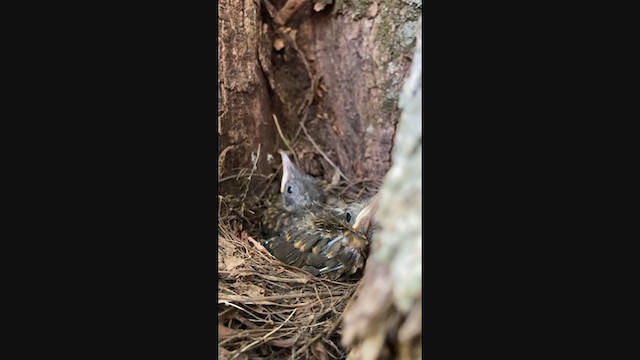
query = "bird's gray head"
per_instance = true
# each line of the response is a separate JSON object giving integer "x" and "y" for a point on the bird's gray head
{"x": 363, "y": 221}
{"x": 352, "y": 210}
{"x": 299, "y": 191}
{"x": 349, "y": 213}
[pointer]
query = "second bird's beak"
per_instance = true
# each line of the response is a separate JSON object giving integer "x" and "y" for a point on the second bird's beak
{"x": 287, "y": 169}
{"x": 365, "y": 216}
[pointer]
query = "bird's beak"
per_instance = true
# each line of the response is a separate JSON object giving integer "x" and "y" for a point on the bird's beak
{"x": 287, "y": 167}
{"x": 365, "y": 217}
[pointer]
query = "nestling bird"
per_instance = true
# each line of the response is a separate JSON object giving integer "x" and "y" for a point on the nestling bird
{"x": 321, "y": 243}
{"x": 359, "y": 215}
{"x": 301, "y": 194}
{"x": 363, "y": 221}
{"x": 305, "y": 232}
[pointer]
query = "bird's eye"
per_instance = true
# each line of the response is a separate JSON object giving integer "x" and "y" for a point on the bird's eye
{"x": 348, "y": 217}
{"x": 289, "y": 190}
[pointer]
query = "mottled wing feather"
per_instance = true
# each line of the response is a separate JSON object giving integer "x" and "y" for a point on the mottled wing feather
{"x": 276, "y": 219}
{"x": 284, "y": 251}
{"x": 321, "y": 242}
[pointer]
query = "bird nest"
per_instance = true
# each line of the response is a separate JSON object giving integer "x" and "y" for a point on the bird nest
{"x": 267, "y": 309}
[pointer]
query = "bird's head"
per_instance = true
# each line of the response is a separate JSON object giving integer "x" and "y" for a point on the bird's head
{"x": 299, "y": 190}
{"x": 363, "y": 221}
{"x": 351, "y": 211}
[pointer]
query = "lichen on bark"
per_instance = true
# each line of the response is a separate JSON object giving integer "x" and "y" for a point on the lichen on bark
{"x": 400, "y": 212}
{"x": 384, "y": 321}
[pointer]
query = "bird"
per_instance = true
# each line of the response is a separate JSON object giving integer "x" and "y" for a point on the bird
{"x": 332, "y": 242}
{"x": 364, "y": 219}
{"x": 322, "y": 244}
{"x": 359, "y": 214}
{"x": 300, "y": 193}
{"x": 305, "y": 232}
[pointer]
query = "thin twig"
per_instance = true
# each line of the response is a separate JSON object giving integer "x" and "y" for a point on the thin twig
{"x": 304, "y": 128}
{"x": 375, "y": 181}
{"x": 303, "y": 120}
{"x": 237, "y": 175}
{"x": 249, "y": 300}
{"x": 309, "y": 343}
{"x": 253, "y": 168}
{"x": 282, "y": 279}
{"x": 286, "y": 142}
{"x": 266, "y": 187}
{"x": 266, "y": 336}
{"x": 288, "y": 10}
{"x": 240, "y": 308}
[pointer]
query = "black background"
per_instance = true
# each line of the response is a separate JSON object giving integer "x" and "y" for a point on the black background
{"x": 117, "y": 157}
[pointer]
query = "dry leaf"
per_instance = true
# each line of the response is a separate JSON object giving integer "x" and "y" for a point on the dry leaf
{"x": 278, "y": 44}
{"x": 319, "y": 6}
{"x": 224, "y": 332}
{"x": 335, "y": 179}
{"x": 252, "y": 291}
{"x": 284, "y": 342}
{"x": 232, "y": 262}
{"x": 258, "y": 245}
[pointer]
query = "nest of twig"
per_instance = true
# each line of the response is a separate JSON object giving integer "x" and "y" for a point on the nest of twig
{"x": 266, "y": 309}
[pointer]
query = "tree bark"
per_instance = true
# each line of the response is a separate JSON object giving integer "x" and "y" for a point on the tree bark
{"x": 244, "y": 121}
{"x": 357, "y": 53}
{"x": 339, "y": 70}
{"x": 384, "y": 321}
{"x": 363, "y": 54}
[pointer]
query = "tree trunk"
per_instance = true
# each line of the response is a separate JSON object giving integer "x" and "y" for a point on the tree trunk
{"x": 244, "y": 121}
{"x": 385, "y": 320}
{"x": 338, "y": 70}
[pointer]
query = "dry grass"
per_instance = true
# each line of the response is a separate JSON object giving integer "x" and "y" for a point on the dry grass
{"x": 266, "y": 309}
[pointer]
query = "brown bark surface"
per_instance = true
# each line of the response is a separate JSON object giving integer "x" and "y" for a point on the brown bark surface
{"x": 338, "y": 70}
{"x": 244, "y": 121}
{"x": 384, "y": 320}
{"x": 356, "y": 63}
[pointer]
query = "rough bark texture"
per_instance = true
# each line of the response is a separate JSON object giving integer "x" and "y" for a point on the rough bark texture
{"x": 360, "y": 51}
{"x": 385, "y": 320}
{"x": 364, "y": 53}
{"x": 244, "y": 119}
{"x": 339, "y": 70}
